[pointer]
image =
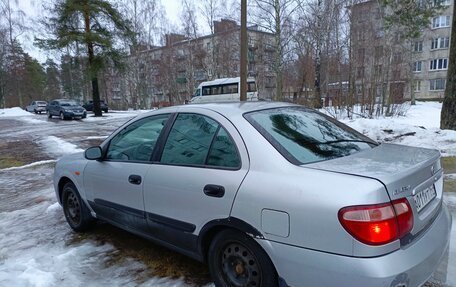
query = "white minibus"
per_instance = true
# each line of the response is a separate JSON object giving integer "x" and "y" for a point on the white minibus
{"x": 222, "y": 90}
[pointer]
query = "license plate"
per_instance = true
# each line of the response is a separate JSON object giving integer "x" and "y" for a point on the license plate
{"x": 423, "y": 197}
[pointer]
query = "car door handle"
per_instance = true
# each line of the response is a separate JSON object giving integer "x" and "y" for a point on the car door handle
{"x": 214, "y": 190}
{"x": 134, "y": 179}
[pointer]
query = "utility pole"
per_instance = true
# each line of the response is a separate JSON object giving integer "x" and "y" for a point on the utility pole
{"x": 243, "y": 64}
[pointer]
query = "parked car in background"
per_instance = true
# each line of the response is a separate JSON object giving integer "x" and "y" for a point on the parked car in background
{"x": 36, "y": 107}
{"x": 266, "y": 193}
{"x": 66, "y": 109}
{"x": 89, "y": 106}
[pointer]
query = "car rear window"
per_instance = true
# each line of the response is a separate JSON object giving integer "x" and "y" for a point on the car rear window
{"x": 304, "y": 136}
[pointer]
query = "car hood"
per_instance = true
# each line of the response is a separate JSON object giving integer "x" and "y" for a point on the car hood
{"x": 400, "y": 168}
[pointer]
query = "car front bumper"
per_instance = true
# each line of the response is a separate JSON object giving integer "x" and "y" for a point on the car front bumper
{"x": 410, "y": 266}
{"x": 74, "y": 114}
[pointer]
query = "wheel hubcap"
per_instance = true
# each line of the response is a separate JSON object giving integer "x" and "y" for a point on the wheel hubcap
{"x": 239, "y": 266}
{"x": 73, "y": 208}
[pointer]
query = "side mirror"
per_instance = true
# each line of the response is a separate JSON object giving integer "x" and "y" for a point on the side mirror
{"x": 93, "y": 153}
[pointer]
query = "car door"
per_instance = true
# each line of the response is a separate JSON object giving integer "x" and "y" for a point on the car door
{"x": 53, "y": 108}
{"x": 114, "y": 185}
{"x": 196, "y": 179}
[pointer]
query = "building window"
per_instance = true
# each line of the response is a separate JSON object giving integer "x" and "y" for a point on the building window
{"x": 361, "y": 35}
{"x": 440, "y": 21}
{"x": 417, "y": 46}
{"x": 360, "y": 73}
{"x": 438, "y": 64}
{"x": 417, "y": 86}
{"x": 437, "y": 85}
{"x": 361, "y": 55}
{"x": 378, "y": 71}
{"x": 442, "y": 2}
{"x": 378, "y": 52}
{"x": 440, "y": 43}
{"x": 417, "y": 66}
{"x": 397, "y": 57}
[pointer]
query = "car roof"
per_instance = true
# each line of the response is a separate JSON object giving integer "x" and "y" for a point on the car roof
{"x": 232, "y": 108}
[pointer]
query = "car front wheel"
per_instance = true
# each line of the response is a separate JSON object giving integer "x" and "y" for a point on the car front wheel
{"x": 76, "y": 212}
{"x": 49, "y": 114}
{"x": 62, "y": 116}
{"x": 235, "y": 259}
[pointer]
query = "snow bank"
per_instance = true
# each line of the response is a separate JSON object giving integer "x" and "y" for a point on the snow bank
{"x": 419, "y": 127}
{"x": 14, "y": 112}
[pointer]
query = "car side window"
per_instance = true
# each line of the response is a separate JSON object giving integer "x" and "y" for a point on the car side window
{"x": 223, "y": 152}
{"x": 189, "y": 140}
{"x": 136, "y": 142}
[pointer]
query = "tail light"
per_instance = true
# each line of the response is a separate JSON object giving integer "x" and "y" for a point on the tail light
{"x": 378, "y": 224}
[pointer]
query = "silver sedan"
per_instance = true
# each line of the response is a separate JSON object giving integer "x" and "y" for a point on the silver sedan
{"x": 268, "y": 194}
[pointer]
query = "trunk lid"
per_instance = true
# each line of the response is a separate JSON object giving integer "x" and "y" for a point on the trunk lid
{"x": 405, "y": 171}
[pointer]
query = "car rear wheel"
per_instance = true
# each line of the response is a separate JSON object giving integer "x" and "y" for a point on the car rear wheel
{"x": 236, "y": 260}
{"x": 49, "y": 114}
{"x": 62, "y": 116}
{"x": 76, "y": 212}
{"x": 35, "y": 111}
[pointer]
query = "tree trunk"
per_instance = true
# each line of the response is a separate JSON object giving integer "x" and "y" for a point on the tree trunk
{"x": 448, "y": 115}
{"x": 93, "y": 71}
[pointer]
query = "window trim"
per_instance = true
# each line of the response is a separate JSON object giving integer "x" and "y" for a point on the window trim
{"x": 157, "y": 159}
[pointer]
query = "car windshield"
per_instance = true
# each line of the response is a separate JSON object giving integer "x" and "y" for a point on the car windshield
{"x": 304, "y": 136}
{"x": 69, "y": 103}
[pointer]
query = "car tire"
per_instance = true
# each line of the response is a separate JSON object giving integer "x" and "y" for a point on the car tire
{"x": 35, "y": 111}
{"x": 49, "y": 114}
{"x": 76, "y": 212}
{"x": 62, "y": 116}
{"x": 235, "y": 259}
{"x": 106, "y": 111}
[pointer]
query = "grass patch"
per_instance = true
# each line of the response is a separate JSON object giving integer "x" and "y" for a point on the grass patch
{"x": 449, "y": 164}
{"x": 450, "y": 185}
{"x": 9, "y": 162}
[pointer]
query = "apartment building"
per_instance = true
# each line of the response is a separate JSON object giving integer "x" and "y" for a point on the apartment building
{"x": 430, "y": 56}
{"x": 386, "y": 67}
{"x": 169, "y": 74}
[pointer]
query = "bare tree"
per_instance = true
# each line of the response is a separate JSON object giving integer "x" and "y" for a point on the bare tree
{"x": 275, "y": 16}
{"x": 13, "y": 19}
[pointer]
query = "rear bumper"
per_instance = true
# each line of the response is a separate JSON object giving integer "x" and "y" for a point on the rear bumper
{"x": 411, "y": 266}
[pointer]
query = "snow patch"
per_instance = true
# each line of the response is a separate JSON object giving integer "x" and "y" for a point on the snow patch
{"x": 59, "y": 147}
{"x": 14, "y": 112}
{"x": 33, "y": 164}
{"x": 116, "y": 114}
{"x": 54, "y": 208}
{"x": 31, "y": 120}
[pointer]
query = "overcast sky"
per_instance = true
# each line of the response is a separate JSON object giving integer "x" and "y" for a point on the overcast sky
{"x": 33, "y": 9}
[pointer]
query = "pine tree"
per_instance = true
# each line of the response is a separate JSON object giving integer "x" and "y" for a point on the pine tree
{"x": 96, "y": 24}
